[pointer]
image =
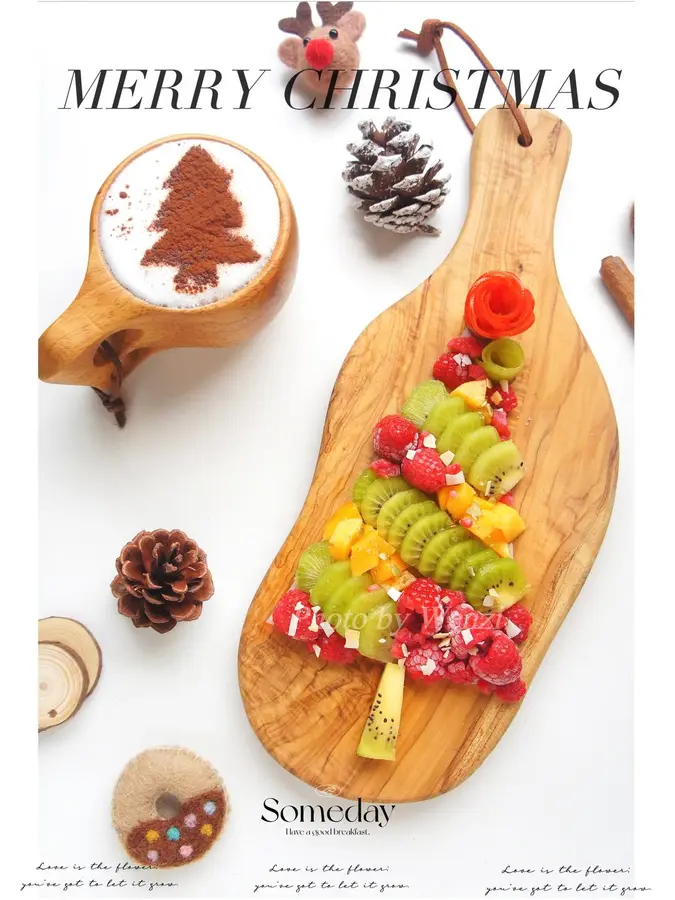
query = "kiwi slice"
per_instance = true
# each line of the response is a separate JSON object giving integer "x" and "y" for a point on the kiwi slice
{"x": 421, "y": 533}
{"x": 422, "y": 400}
{"x": 440, "y": 415}
{"x": 452, "y": 557}
{"x": 457, "y": 430}
{"x": 497, "y": 470}
{"x": 504, "y": 576}
{"x": 330, "y": 579}
{"x": 474, "y": 444}
{"x": 394, "y": 505}
{"x": 377, "y": 634}
{"x": 465, "y": 571}
{"x": 340, "y": 599}
{"x": 406, "y": 519}
{"x": 437, "y": 546}
{"x": 377, "y": 495}
{"x": 503, "y": 359}
{"x": 365, "y": 479}
{"x": 311, "y": 564}
{"x": 380, "y": 732}
{"x": 356, "y": 611}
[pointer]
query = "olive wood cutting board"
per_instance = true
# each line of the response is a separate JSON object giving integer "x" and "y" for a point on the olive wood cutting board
{"x": 308, "y": 714}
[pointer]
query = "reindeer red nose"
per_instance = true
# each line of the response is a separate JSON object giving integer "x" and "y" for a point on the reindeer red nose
{"x": 319, "y": 53}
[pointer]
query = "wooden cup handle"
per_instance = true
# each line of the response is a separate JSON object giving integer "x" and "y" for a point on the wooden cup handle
{"x": 67, "y": 349}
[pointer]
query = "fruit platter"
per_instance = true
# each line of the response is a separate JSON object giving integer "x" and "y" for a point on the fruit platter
{"x": 464, "y": 484}
{"x": 417, "y": 570}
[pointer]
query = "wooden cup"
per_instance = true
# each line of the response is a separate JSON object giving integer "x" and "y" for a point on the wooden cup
{"x": 103, "y": 310}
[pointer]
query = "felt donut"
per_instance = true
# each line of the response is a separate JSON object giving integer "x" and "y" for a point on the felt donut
{"x": 177, "y": 780}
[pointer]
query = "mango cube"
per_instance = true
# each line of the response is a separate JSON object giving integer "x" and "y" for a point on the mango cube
{"x": 508, "y": 520}
{"x": 348, "y": 511}
{"x": 473, "y": 393}
{"x": 345, "y": 533}
{"x": 365, "y": 553}
{"x": 456, "y": 499}
{"x": 388, "y": 570}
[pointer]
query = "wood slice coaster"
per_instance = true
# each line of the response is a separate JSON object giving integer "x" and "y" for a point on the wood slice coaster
{"x": 76, "y": 637}
{"x": 62, "y": 684}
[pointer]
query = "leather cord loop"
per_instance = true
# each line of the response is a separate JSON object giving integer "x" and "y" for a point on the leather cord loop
{"x": 429, "y": 39}
{"x": 113, "y": 401}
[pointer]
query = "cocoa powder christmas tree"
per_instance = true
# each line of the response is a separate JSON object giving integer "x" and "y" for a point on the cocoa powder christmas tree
{"x": 199, "y": 219}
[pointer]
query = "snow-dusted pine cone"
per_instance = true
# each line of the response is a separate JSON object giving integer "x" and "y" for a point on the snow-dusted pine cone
{"x": 388, "y": 180}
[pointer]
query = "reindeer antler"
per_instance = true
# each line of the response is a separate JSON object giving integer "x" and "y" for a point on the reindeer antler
{"x": 302, "y": 24}
{"x": 331, "y": 13}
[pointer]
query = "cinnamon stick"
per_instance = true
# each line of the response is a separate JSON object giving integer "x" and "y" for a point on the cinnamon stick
{"x": 619, "y": 281}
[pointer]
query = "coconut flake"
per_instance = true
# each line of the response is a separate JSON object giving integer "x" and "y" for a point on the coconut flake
{"x": 393, "y": 594}
{"x": 488, "y": 602}
{"x": 410, "y": 454}
{"x": 509, "y": 548}
{"x": 472, "y": 650}
{"x": 429, "y": 667}
{"x": 493, "y": 592}
{"x": 327, "y": 628}
{"x": 511, "y": 629}
{"x": 474, "y": 511}
{"x": 382, "y": 641}
{"x": 352, "y": 638}
{"x": 269, "y": 621}
{"x": 447, "y": 457}
{"x": 488, "y": 488}
{"x": 314, "y": 625}
{"x": 293, "y": 626}
{"x": 467, "y": 636}
{"x": 504, "y": 385}
{"x": 314, "y": 608}
{"x": 458, "y": 357}
{"x": 404, "y": 650}
{"x": 466, "y": 360}
{"x": 456, "y": 478}
{"x": 299, "y": 605}
{"x": 401, "y": 663}
{"x": 497, "y": 397}
{"x": 317, "y": 650}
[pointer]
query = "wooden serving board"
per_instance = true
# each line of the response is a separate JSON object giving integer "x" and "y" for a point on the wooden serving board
{"x": 309, "y": 715}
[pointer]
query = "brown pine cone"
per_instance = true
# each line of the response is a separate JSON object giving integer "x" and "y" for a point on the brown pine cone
{"x": 162, "y": 579}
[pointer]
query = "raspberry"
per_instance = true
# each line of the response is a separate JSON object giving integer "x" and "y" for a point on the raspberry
{"x": 422, "y": 592}
{"x": 476, "y": 373}
{"x": 392, "y": 436}
{"x": 453, "y": 598}
{"x": 459, "y": 673}
{"x": 421, "y": 657}
{"x": 408, "y": 637}
{"x": 467, "y": 628}
{"x": 385, "y": 469}
{"x": 500, "y": 422}
{"x": 506, "y": 400}
{"x": 425, "y": 471}
{"x": 332, "y": 649}
{"x": 285, "y": 611}
{"x": 467, "y": 344}
{"x": 512, "y": 692}
{"x": 450, "y": 372}
{"x": 507, "y": 498}
{"x": 522, "y": 618}
{"x": 498, "y": 621}
{"x": 500, "y": 663}
{"x": 484, "y": 686}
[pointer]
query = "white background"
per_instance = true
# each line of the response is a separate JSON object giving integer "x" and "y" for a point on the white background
{"x": 223, "y": 444}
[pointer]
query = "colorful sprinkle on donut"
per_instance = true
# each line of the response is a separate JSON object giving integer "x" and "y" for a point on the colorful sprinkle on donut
{"x": 190, "y": 820}
{"x": 153, "y": 856}
{"x": 152, "y": 836}
{"x": 209, "y": 807}
{"x": 186, "y": 851}
{"x": 173, "y": 833}
{"x": 206, "y": 829}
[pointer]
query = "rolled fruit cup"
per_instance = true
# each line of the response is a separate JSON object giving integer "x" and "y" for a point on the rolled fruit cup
{"x": 105, "y": 310}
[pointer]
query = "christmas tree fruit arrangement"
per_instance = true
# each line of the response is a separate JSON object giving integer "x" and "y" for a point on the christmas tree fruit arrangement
{"x": 417, "y": 569}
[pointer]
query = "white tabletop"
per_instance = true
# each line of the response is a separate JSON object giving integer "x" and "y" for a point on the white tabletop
{"x": 222, "y": 444}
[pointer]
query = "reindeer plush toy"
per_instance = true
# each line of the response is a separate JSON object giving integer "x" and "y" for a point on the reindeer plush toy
{"x": 331, "y": 46}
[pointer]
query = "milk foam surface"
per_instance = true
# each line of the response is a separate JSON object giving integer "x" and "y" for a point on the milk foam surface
{"x": 134, "y": 198}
